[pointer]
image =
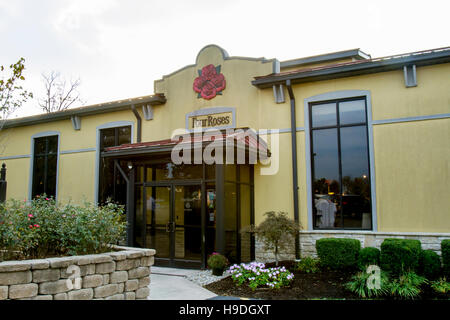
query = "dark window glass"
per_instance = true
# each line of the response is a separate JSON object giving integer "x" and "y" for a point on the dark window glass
{"x": 324, "y": 115}
{"x": 352, "y": 112}
{"x": 230, "y": 222}
{"x": 326, "y": 155}
{"x": 111, "y": 183}
{"x": 45, "y": 164}
{"x": 124, "y": 135}
{"x": 340, "y": 163}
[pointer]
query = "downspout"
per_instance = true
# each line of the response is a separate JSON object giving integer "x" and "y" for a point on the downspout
{"x": 294, "y": 165}
{"x": 139, "y": 123}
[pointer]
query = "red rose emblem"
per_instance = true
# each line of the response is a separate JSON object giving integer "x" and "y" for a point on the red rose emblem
{"x": 210, "y": 82}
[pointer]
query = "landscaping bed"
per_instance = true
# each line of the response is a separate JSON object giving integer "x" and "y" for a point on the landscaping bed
{"x": 323, "y": 284}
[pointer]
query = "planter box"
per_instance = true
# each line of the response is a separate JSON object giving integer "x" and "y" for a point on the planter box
{"x": 123, "y": 274}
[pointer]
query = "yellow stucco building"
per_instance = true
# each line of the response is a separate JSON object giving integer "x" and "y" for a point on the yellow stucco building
{"x": 348, "y": 145}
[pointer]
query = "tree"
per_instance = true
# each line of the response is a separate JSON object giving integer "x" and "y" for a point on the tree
{"x": 12, "y": 94}
{"x": 277, "y": 232}
{"x": 59, "y": 95}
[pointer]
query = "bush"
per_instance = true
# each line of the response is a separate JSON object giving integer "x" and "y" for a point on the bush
{"x": 441, "y": 285}
{"x": 307, "y": 265}
{"x": 398, "y": 255}
{"x": 445, "y": 249}
{"x": 257, "y": 275}
{"x": 41, "y": 228}
{"x": 368, "y": 256}
{"x": 407, "y": 285}
{"x": 430, "y": 264}
{"x": 337, "y": 253}
{"x": 217, "y": 263}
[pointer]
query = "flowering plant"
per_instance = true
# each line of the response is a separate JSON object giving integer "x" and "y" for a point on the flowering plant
{"x": 257, "y": 275}
{"x": 210, "y": 82}
{"x": 42, "y": 228}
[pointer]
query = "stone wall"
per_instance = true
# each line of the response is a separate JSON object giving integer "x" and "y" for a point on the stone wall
{"x": 123, "y": 274}
{"x": 308, "y": 239}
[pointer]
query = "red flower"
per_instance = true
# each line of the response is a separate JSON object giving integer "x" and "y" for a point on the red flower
{"x": 30, "y": 226}
{"x": 210, "y": 82}
{"x": 36, "y": 225}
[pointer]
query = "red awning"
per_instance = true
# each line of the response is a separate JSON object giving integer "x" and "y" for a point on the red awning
{"x": 240, "y": 138}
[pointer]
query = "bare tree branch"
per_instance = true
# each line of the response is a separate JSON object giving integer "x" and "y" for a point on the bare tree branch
{"x": 57, "y": 97}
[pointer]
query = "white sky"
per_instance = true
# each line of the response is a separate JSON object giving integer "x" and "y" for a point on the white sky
{"x": 119, "y": 47}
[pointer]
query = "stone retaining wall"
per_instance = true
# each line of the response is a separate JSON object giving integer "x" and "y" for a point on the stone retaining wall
{"x": 120, "y": 275}
{"x": 308, "y": 239}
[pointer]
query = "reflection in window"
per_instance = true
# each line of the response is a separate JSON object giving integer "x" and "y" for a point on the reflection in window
{"x": 45, "y": 161}
{"x": 340, "y": 166}
{"x": 111, "y": 183}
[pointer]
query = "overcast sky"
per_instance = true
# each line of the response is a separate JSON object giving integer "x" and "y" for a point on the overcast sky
{"x": 119, "y": 47}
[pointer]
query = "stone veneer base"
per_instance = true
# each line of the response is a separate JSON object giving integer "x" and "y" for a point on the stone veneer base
{"x": 308, "y": 239}
{"x": 123, "y": 274}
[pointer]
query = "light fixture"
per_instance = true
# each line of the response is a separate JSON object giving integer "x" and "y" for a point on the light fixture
{"x": 130, "y": 165}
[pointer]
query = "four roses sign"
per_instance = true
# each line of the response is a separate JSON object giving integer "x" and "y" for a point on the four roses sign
{"x": 210, "y": 82}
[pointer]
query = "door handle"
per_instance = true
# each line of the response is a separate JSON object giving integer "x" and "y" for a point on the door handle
{"x": 170, "y": 226}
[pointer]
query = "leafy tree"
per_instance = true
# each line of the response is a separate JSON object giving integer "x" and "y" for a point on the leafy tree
{"x": 277, "y": 232}
{"x": 12, "y": 94}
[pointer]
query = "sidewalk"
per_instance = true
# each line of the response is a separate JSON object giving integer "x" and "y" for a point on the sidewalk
{"x": 171, "y": 284}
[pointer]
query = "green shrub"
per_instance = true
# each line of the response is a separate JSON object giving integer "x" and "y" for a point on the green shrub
{"x": 337, "y": 253}
{"x": 441, "y": 285}
{"x": 307, "y": 265}
{"x": 445, "y": 249}
{"x": 407, "y": 285}
{"x": 430, "y": 264}
{"x": 217, "y": 263}
{"x": 358, "y": 285}
{"x": 41, "y": 228}
{"x": 398, "y": 255}
{"x": 368, "y": 256}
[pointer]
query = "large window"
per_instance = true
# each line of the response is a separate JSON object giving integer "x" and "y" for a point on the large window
{"x": 45, "y": 161}
{"x": 112, "y": 186}
{"x": 340, "y": 165}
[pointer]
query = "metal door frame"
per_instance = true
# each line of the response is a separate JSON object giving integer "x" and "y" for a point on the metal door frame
{"x": 172, "y": 261}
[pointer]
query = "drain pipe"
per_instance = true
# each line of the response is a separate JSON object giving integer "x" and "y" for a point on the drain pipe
{"x": 294, "y": 164}
{"x": 139, "y": 123}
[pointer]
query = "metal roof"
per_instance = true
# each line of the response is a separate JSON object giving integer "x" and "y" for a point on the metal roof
{"x": 112, "y": 106}
{"x": 353, "y": 68}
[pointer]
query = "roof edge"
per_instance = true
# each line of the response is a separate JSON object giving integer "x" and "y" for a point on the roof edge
{"x": 118, "y": 105}
{"x": 352, "y": 53}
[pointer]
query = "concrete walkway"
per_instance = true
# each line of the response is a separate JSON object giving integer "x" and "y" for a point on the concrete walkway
{"x": 171, "y": 284}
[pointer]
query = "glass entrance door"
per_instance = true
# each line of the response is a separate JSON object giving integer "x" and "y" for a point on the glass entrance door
{"x": 158, "y": 220}
{"x": 188, "y": 223}
{"x": 171, "y": 223}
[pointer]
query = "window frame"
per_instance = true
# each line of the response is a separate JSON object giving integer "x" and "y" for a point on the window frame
{"x": 338, "y": 126}
{"x": 115, "y": 173}
{"x": 344, "y": 95}
{"x": 32, "y": 160}
{"x": 107, "y": 125}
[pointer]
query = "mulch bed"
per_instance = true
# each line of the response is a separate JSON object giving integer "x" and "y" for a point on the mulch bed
{"x": 324, "y": 284}
{"x": 320, "y": 285}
